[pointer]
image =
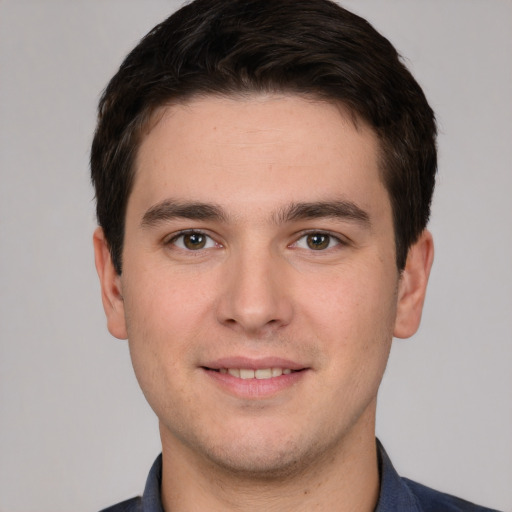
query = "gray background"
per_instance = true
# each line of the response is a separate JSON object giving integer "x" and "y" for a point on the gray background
{"x": 75, "y": 431}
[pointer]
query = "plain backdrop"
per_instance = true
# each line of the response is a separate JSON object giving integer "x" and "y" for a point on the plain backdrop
{"x": 75, "y": 431}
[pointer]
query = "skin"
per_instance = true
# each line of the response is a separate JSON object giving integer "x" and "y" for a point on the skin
{"x": 257, "y": 290}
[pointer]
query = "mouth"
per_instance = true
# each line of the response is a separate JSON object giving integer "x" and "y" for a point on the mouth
{"x": 250, "y": 378}
{"x": 260, "y": 373}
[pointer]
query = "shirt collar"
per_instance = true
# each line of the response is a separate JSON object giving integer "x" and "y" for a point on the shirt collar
{"x": 394, "y": 494}
{"x": 151, "y": 500}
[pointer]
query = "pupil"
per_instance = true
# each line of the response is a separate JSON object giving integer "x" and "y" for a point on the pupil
{"x": 318, "y": 242}
{"x": 194, "y": 241}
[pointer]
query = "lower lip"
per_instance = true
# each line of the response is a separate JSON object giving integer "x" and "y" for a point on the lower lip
{"x": 255, "y": 388}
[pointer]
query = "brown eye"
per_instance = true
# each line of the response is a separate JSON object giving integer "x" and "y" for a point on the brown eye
{"x": 194, "y": 241}
{"x": 318, "y": 241}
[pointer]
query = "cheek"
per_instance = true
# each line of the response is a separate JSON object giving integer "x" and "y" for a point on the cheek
{"x": 351, "y": 300}
{"x": 160, "y": 326}
{"x": 161, "y": 316}
{"x": 163, "y": 301}
{"x": 354, "y": 314}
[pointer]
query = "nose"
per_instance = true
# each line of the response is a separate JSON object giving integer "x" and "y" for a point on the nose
{"x": 256, "y": 296}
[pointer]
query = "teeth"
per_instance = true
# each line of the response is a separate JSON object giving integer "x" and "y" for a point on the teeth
{"x": 246, "y": 374}
{"x": 261, "y": 374}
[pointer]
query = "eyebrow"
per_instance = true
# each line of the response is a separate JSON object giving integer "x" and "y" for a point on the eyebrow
{"x": 170, "y": 209}
{"x": 345, "y": 210}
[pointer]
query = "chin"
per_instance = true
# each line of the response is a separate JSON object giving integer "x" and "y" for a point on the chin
{"x": 273, "y": 457}
{"x": 253, "y": 465}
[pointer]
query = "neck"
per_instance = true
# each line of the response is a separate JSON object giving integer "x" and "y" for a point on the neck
{"x": 344, "y": 478}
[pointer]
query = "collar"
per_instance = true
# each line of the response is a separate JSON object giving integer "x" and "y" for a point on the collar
{"x": 151, "y": 501}
{"x": 395, "y": 495}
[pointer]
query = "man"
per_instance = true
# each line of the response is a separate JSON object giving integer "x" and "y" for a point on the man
{"x": 263, "y": 174}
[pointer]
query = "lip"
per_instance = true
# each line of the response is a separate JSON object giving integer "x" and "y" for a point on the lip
{"x": 254, "y": 389}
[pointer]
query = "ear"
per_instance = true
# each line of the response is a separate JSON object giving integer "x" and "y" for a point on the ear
{"x": 110, "y": 281}
{"x": 412, "y": 286}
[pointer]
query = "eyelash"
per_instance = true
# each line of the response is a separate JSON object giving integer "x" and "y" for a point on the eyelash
{"x": 338, "y": 241}
{"x": 192, "y": 232}
{"x": 210, "y": 243}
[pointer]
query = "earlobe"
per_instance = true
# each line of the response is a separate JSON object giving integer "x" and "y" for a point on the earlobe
{"x": 110, "y": 281}
{"x": 413, "y": 286}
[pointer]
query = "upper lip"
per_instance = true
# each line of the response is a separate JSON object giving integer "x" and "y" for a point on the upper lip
{"x": 253, "y": 363}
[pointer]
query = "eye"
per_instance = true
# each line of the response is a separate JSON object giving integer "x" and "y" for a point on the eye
{"x": 317, "y": 241}
{"x": 193, "y": 241}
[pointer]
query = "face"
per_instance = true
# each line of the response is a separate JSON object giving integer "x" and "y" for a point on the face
{"x": 259, "y": 290}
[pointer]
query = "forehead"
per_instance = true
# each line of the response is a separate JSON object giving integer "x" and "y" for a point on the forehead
{"x": 274, "y": 147}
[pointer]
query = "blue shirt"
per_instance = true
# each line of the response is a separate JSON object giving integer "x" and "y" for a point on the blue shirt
{"x": 397, "y": 494}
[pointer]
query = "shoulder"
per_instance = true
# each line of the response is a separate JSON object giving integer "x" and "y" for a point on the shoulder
{"x": 131, "y": 505}
{"x": 436, "y": 501}
{"x": 398, "y": 494}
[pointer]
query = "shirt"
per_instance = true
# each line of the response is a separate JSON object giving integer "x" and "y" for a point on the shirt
{"x": 397, "y": 494}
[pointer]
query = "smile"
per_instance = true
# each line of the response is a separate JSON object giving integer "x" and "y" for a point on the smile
{"x": 261, "y": 374}
{"x": 250, "y": 379}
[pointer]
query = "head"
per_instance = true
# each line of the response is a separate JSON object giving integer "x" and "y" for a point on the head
{"x": 237, "y": 48}
{"x": 263, "y": 173}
